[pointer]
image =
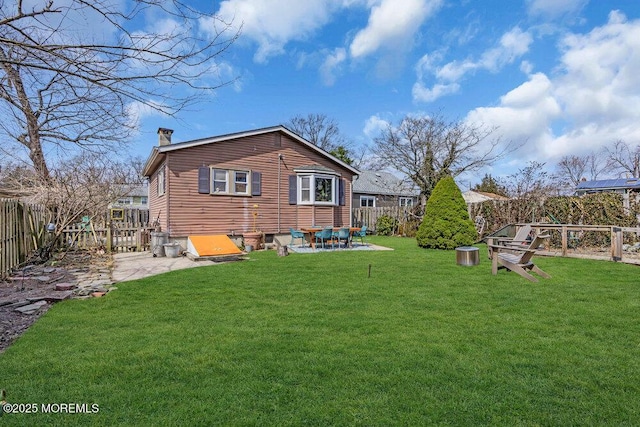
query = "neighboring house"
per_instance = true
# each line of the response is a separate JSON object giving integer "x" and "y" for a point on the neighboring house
{"x": 136, "y": 197}
{"x": 373, "y": 189}
{"x": 215, "y": 185}
{"x": 624, "y": 186}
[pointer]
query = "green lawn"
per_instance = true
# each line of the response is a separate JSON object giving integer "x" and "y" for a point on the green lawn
{"x": 311, "y": 339}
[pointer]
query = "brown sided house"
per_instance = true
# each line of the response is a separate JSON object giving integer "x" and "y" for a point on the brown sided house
{"x": 215, "y": 185}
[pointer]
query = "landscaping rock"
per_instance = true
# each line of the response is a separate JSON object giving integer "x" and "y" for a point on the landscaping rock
{"x": 31, "y": 288}
{"x": 64, "y": 286}
{"x": 20, "y": 303}
{"x": 58, "y": 296}
{"x": 31, "y": 308}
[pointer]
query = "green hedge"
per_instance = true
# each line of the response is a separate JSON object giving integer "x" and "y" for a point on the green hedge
{"x": 591, "y": 209}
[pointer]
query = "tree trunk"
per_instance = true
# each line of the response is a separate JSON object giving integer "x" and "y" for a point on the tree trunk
{"x": 31, "y": 137}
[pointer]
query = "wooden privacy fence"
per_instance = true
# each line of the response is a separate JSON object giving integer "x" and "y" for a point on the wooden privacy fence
{"x": 369, "y": 216}
{"x": 21, "y": 225}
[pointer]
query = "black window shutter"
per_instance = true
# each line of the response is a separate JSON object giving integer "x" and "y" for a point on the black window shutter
{"x": 341, "y": 195}
{"x": 293, "y": 189}
{"x": 256, "y": 183}
{"x": 204, "y": 180}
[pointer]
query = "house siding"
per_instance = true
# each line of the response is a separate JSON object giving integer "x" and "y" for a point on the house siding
{"x": 157, "y": 204}
{"x": 192, "y": 213}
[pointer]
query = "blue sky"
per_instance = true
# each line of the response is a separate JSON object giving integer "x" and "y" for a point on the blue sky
{"x": 558, "y": 76}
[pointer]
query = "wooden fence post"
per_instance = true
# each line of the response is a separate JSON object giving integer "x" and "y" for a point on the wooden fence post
{"x": 108, "y": 237}
{"x": 616, "y": 243}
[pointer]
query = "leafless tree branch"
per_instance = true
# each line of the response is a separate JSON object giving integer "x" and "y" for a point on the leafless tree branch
{"x": 62, "y": 84}
{"x": 428, "y": 148}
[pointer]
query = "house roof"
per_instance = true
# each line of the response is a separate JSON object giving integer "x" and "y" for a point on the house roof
{"x": 609, "y": 184}
{"x": 135, "y": 190}
{"x": 157, "y": 154}
{"x": 314, "y": 168}
{"x": 377, "y": 182}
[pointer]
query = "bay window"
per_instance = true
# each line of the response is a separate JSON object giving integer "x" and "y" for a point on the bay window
{"x": 317, "y": 189}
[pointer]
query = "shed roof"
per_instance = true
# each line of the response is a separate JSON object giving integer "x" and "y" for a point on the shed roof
{"x": 471, "y": 196}
{"x": 157, "y": 153}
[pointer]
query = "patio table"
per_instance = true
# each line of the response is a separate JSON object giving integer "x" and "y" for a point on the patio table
{"x": 309, "y": 233}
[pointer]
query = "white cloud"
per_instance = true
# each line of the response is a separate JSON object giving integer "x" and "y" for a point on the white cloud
{"x": 392, "y": 25}
{"x": 138, "y": 111}
{"x": 524, "y": 114}
{"x": 593, "y": 101}
{"x": 513, "y": 44}
{"x": 273, "y": 23}
{"x": 424, "y": 94}
{"x": 331, "y": 65}
{"x": 555, "y": 8}
{"x": 374, "y": 125}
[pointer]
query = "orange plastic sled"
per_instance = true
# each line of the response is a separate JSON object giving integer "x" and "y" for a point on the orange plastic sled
{"x": 215, "y": 245}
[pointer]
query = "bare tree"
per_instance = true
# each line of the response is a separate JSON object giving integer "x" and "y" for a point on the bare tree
{"x": 427, "y": 149}
{"x": 320, "y": 130}
{"x": 572, "y": 169}
{"x": 83, "y": 186}
{"x": 624, "y": 159}
{"x": 531, "y": 182}
{"x": 64, "y": 85}
{"x": 324, "y": 132}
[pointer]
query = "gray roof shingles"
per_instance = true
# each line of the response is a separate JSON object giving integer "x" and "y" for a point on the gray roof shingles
{"x": 372, "y": 182}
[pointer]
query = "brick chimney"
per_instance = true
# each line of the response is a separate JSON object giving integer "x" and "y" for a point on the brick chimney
{"x": 164, "y": 136}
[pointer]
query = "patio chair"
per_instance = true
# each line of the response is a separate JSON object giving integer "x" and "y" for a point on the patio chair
{"x": 326, "y": 235}
{"x": 522, "y": 239}
{"x": 343, "y": 234}
{"x": 361, "y": 234}
{"x": 518, "y": 260}
{"x": 296, "y": 234}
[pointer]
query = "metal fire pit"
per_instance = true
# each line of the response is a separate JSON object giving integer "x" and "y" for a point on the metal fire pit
{"x": 467, "y": 255}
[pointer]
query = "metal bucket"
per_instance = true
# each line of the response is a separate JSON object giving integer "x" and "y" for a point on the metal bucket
{"x": 172, "y": 250}
{"x": 467, "y": 255}
{"x": 158, "y": 239}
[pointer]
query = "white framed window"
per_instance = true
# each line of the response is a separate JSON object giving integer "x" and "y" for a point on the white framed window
{"x": 220, "y": 181}
{"x": 161, "y": 181}
{"x": 241, "y": 182}
{"x": 406, "y": 201}
{"x": 317, "y": 189}
{"x": 367, "y": 202}
{"x": 305, "y": 189}
{"x": 230, "y": 182}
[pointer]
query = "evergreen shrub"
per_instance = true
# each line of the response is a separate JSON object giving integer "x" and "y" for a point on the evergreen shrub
{"x": 446, "y": 223}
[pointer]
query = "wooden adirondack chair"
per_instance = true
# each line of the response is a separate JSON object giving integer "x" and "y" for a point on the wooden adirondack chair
{"x": 521, "y": 240}
{"x": 518, "y": 260}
